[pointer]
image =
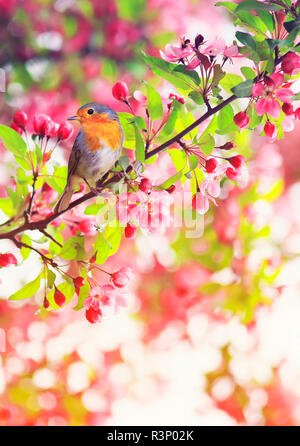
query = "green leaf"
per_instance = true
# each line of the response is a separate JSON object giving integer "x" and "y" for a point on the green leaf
{"x": 25, "y": 251}
{"x": 94, "y": 208}
{"x": 206, "y": 143}
{"x": 59, "y": 178}
{"x": 28, "y": 290}
{"x": 252, "y": 5}
{"x": 267, "y": 18}
{"x": 230, "y": 80}
{"x": 23, "y": 162}
{"x": 218, "y": 75}
{"x": 107, "y": 243}
{"x": 246, "y": 39}
{"x": 179, "y": 158}
{"x": 83, "y": 294}
{"x": 173, "y": 179}
{"x": 189, "y": 73}
{"x": 165, "y": 70}
{"x": 139, "y": 145}
{"x": 229, "y": 5}
{"x": 196, "y": 97}
{"x": 50, "y": 278}
{"x": 6, "y": 205}
{"x": 225, "y": 117}
{"x": 73, "y": 249}
{"x": 248, "y": 72}
{"x": 124, "y": 162}
{"x": 252, "y": 21}
{"x": 130, "y": 9}
{"x": 170, "y": 124}
{"x": 12, "y": 141}
{"x": 154, "y": 104}
{"x": 193, "y": 162}
{"x": 244, "y": 89}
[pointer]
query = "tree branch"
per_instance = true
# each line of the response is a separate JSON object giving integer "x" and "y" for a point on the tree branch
{"x": 102, "y": 184}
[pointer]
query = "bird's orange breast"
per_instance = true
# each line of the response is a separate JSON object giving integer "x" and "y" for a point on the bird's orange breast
{"x": 106, "y": 130}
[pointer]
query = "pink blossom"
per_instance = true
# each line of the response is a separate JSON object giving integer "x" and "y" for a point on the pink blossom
{"x": 269, "y": 106}
{"x": 271, "y": 91}
{"x": 101, "y": 299}
{"x": 122, "y": 277}
{"x": 288, "y": 124}
{"x": 211, "y": 183}
{"x": 175, "y": 53}
{"x": 151, "y": 211}
{"x": 200, "y": 203}
{"x": 194, "y": 63}
{"x": 140, "y": 97}
{"x": 232, "y": 51}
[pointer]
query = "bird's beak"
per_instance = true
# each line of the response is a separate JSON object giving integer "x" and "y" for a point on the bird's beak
{"x": 73, "y": 118}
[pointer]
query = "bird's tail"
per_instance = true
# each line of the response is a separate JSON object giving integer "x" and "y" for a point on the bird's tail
{"x": 65, "y": 199}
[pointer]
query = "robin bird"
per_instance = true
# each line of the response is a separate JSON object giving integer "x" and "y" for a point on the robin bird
{"x": 96, "y": 148}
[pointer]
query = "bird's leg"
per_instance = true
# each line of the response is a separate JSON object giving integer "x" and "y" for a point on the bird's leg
{"x": 92, "y": 189}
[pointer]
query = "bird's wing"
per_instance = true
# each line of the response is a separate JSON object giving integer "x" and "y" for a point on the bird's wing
{"x": 74, "y": 156}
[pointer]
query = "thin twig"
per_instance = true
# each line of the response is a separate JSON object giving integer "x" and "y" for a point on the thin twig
{"x": 50, "y": 236}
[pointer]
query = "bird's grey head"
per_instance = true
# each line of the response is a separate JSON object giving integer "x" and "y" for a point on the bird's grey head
{"x": 93, "y": 109}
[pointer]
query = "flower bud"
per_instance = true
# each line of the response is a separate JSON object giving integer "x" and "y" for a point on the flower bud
{"x": 241, "y": 120}
{"x": 178, "y": 98}
{"x": 198, "y": 40}
{"x": 269, "y": 129}
{"x": 46, "y": 303}
{"x": 290, "y": 62}
{"x": 171, "y": 189}
{"x": 237, "y": 161}
{"x": 78, "y": 283}
{"x": 210, "y": 165}
{"x": 145, "y": 185}
{"x": 120, "y": 91}
{"x": 93, "y": 258}
{"x": 54, "y": 130}
{"x": 93, "y": 315}
{"x": 43, "y": 125}
{"x": 227, "y": 146}
{"x": 16, "y": 128}
{"x": 233, "y": 174}
{"x": 65, "y": 131}
{"x": 297, "y": 114}
{"x": 20, "y": 119}
{"x": 130, "y": 231}
{"x": 59, "y": 298}
{"x": 7, "y": 259}
{"x": 287, "y": 108}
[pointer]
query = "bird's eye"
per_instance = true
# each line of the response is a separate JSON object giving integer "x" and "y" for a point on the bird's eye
{"x": 90, "y": 111}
